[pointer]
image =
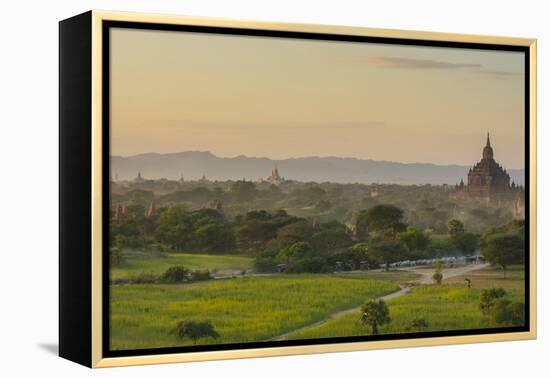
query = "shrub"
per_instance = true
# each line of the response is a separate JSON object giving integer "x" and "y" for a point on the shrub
{"x": 195, "y": 330}
{"x": 175, "y": 274}
{"x": 419, "y": 324}
{"x": 265, "y": 264}
{"x": 488, "y": 299}
{"x": 438, "y": 276}
{"x": 312, "y": 264}
{"x": 144, "y": 278}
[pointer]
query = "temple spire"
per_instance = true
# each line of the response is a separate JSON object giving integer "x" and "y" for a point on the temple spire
{"x": 488, "y": 140}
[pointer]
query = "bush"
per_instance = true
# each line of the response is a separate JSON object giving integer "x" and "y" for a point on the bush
{"x": 194, "y": 331}
{"x": 144, "y": 278}
{"x": 312, "y": 264}
{"x": 175, "y": 274}
{"x": 488, "y": 299}
{"x": 438, "y": 276}
{"x": 265, "y": 264}
{"x": 419, "y": 324}
{"x": 505, "y": 312}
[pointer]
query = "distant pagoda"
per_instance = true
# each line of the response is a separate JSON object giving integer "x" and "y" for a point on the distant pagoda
{"x": 138, "y": 178}
{"x": 485, "y": 179}
{"x": 274, "y": 177}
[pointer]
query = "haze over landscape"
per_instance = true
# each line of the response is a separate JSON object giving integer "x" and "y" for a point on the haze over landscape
{"x": 192, "y": 165}
{"x": 291, "y": 98}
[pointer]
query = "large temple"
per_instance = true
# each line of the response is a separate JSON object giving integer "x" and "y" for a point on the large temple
{"x": 486, "y": 179}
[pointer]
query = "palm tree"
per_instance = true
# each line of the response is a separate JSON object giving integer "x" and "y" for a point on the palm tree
{"x": 375, "y": 314}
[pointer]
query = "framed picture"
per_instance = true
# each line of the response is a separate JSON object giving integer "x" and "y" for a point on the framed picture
{"x": 234, "y": 189}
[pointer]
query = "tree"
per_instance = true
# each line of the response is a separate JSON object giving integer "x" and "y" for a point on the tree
{"x": 331, "y": 238}
{"x": 465, "y": 242}
{"x": 384, "y": 219}
{"x": 120, "y": 242}
{"x": 215, "y": 237}
{"x": 375, "y": 314}
{"x": 355, "y": 254}
{"x": 175, "y": 274}
{"x": 455, "y": 227}
{"x": 244, "y": 191}
{"x": 175, "y": 228}
{"x": 504, "y": 249}
{"x": 294, "y": 232}
{"x": 415, "y": 239}
{"x": 438, "y": 275}
{"x": 308, "y": 264}
{"x": 360, "y": 222}
{"x": 195, "y": 330}
{"x": 387, "y": 251}
{"x": 299, "y": 250}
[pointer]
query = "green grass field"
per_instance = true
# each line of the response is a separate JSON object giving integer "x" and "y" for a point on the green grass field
{"x": 137, "y": 263}
{"x": 241, "y": 309}
{"x": 400, "y": 277}
{"x": 451, "y": 306}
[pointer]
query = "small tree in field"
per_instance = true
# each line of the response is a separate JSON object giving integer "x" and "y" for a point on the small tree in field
{"x": 195, "y": 330}
{"x": 468, "y": 282}
{"x": 438, "y": 276}
{"x": 375, "y": 314}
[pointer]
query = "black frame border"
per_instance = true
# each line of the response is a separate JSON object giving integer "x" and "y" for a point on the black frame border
{"x": 108, "y": 25}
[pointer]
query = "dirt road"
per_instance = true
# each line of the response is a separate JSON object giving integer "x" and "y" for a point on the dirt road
{"x": 425, "y": 279}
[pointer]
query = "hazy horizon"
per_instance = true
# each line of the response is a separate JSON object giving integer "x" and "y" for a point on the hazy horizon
{"x": 289, "y": 98}
{"x": 303, "y": 157}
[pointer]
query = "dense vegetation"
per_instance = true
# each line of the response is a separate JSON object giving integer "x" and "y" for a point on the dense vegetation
{"x": 378, "y": 234}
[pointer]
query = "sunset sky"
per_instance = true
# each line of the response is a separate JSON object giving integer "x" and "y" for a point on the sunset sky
{"x": 283, "y": 98}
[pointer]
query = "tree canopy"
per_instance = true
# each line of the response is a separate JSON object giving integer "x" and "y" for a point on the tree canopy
{"x": 375, "y": 314}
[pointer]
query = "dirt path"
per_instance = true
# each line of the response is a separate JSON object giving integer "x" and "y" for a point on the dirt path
{"x": 425, "y": 279}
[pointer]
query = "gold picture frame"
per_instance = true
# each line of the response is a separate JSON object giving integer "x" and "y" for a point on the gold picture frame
{"x": 86, "y": 32}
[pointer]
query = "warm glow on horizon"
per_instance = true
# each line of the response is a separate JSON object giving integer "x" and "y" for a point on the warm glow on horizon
{"x": 284, "y": 98}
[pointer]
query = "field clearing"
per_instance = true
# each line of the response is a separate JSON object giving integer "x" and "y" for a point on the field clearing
{"x": 137, "y": 263}
{"x": 451, "y": 306}
{"x": 241, "y": 310}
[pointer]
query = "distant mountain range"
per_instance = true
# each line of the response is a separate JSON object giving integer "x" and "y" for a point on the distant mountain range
{"x": 193, "y": 164}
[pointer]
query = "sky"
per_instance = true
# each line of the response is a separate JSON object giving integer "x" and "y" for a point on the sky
{"x": 285, "y": 98}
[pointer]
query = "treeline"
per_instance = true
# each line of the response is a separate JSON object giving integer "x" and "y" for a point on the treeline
{"x": 378, "y": 237}
{"x": 425, "y": 207}
{"x": 174, "y": 228}
{"x": 283, "y": 242}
